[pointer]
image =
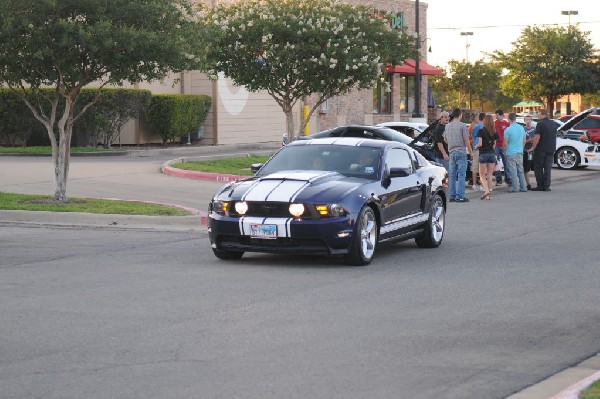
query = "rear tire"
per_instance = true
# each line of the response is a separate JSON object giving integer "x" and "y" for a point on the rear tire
{"x": 365, "y": 237}
{"x": 227, "y": 255}
{"x": 434, "y": 230}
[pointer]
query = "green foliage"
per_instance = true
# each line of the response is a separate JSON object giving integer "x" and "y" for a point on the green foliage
{"x": 26, "y": 202}
{"x": 109, "y": 113}
{"x": 16, "y": 122}
{"x": 173, "y": 116}
{"x": 478, "y": 81}
{"x": 297, "y": 48}
{"x": 68, "y": 44}
{"x": 550, "y": 62}
{"x": 232, "y": 166}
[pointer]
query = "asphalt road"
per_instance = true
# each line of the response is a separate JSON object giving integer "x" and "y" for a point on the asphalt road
{"x": 510, "y": 298}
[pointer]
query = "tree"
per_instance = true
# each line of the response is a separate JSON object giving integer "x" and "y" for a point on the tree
{"x": 297, "y": 48}
{"x": 68, "y": 44}
{"x": 548, "y": 63}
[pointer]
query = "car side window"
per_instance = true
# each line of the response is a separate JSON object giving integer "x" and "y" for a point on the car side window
{"x": 588, "y": 123}
{"x": 399, "y": 158}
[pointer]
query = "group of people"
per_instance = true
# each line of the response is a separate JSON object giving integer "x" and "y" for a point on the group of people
{"x": 493, "y": 142}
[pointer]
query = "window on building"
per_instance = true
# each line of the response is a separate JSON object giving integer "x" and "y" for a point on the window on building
{"x": 406, "y": 99}
{"x": 382, "y": 95}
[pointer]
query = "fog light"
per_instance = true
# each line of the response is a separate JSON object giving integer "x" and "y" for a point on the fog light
{"x": 241, "y": 207}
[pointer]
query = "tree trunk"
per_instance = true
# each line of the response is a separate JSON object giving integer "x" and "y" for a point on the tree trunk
{"x": 289, "y": 121}
{"x": 61, "y": 151}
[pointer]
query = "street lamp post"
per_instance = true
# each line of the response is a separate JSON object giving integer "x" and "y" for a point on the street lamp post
{"x": 569, "y": 13}
{"x": 466, "y": 35}
{"x": 417, "y": 110}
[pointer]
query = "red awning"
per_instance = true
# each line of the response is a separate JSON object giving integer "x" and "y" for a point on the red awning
{"x": 408, "y": 68}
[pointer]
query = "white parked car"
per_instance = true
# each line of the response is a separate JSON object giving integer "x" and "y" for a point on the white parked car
{"x": 570, "y": 152}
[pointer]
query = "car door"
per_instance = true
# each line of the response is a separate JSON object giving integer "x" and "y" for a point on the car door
{"x": 401, "y": 203}
{"x": 592, "y": 126}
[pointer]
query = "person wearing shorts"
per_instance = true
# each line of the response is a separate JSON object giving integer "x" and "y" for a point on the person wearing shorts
{"x": 487, "y": 155}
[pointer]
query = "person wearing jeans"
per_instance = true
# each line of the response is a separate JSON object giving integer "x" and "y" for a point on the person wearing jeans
{"x": 514, "y": 141}
{"x": 500, "y": 124}
{"x": 457, "y": 137}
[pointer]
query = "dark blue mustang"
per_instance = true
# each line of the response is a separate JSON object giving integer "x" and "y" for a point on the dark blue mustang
{"x": 336, "y": 196}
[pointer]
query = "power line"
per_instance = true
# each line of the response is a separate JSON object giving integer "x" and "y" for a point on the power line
{"x": 511, "y": 26}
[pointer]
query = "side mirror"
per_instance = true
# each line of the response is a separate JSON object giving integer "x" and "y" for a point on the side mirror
{"x": 255, "y": 167}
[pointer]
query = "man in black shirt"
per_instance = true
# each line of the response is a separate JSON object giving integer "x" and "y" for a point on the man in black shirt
{"x": 543, "y": 147}
{"x": 441, "y": 147}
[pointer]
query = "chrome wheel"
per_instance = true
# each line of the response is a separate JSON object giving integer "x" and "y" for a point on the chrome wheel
{"x": 432, "y": 235}
{"x": 368, "y": 234}
{"x": 438, "y": 220}
{"x": 567, "y": 158}
{"x": 364, "y": 241}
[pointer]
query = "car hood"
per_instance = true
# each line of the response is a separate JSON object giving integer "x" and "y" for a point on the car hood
{"x": 575, "y": 120}
{"x": 293, "y": 186}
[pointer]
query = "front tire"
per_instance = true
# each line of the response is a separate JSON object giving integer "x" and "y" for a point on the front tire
{"x": 364, "y": 242}
{"x": 227, "y": 255}
{"x": 434, "y": 231}
{"x": 567, "y": 158}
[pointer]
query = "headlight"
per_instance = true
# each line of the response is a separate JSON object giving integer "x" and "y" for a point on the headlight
{"x": 296, "y": 210}
{"x": 335, "y": 210}
{"x": 220, "y": 207}
{"x": 241, "y": 207}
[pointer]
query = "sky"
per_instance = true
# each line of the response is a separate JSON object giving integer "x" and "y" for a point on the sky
{"x": 497, "y": 24}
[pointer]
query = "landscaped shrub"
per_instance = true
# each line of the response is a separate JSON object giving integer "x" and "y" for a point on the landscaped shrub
{"x": 176, "y": 115}
{"x": 103, "y": 121}
{"x": 17, "y": 123}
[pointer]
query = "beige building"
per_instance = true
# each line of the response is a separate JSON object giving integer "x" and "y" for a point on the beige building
{"x": 238, "y": 116}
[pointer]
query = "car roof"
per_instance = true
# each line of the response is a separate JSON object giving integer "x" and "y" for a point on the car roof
{"x": 351, "y": 141}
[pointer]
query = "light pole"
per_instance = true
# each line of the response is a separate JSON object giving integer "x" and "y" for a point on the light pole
{"x": 466, "y": 35}
{"x": 569, "y": 13}
{"x": 417, "y": 110}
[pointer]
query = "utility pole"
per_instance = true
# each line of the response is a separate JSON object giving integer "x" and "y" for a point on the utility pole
{"x": 417, "y": 110}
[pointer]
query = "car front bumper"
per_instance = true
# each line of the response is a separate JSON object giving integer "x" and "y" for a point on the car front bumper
{"x": 331, "y": 236}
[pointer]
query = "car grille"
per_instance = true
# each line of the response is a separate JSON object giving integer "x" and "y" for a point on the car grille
{"x": 277, "y": 210}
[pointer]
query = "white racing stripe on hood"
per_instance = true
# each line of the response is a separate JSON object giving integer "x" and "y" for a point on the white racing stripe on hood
{"x": 282, "y": 186}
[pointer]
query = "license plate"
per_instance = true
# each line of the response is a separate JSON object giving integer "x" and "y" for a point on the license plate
{"x": 268, "y": 231}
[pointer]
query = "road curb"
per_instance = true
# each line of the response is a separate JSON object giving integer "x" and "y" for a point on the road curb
{"x": 569, "y": 383}
{"x": 78, "y": 219}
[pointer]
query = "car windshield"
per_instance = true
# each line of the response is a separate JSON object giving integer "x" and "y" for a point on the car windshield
{"x": 347, "y": 160}
{"x": 395, "y": 135}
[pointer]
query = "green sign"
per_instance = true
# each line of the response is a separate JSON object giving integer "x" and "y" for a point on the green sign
{"x": 397, "y": 21}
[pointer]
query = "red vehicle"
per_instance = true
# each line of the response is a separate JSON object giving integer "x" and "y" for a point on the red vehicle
{"x": 590, "y": 125}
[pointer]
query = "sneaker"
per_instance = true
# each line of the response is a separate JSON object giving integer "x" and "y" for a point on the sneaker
{"x": 452, "y": 200}
{"x": 462, "y": 200}
{"x": 529, "y": 187}
{"x": 498, "y": 183}
{"x": 537, "y": 189}
{"x": 476, "y": 187}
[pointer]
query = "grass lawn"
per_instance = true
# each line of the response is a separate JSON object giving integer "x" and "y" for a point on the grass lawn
{"x": 25, "y": 202}
{"x": 232, "y": 166}
{"x": 593, "y": 392}
{"x": 48, "y": 150}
